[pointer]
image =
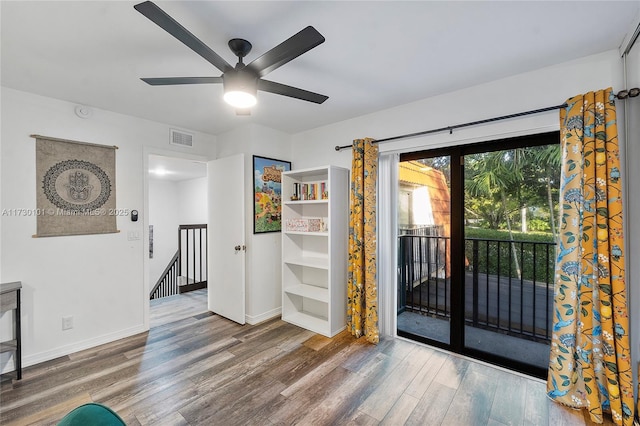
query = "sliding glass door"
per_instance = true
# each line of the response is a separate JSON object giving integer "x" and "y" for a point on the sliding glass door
{"x": 476, "y": 249}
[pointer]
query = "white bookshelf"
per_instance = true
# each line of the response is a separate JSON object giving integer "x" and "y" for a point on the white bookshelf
{"x": 314, "y": 261}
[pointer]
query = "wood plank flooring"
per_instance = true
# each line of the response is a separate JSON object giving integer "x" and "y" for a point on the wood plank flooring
{"x": 196, "y": 368}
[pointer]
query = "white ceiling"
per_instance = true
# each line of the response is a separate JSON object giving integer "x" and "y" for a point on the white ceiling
{"x": 377, "y": 54}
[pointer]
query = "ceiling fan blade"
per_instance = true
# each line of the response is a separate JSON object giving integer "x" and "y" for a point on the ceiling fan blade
{"x": 170, "y": 25}
{"x": 292, "y": 92}
{"x": 168, "y": 81}
{"x": 289, "y": 49}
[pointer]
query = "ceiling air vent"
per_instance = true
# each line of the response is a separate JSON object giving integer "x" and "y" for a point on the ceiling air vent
{"x": 181, "y": 138}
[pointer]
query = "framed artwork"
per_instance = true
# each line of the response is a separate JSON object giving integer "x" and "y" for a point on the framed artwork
{"x": 267, "y": 194}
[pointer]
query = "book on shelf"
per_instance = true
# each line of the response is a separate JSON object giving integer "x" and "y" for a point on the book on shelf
{"x": 310, "y": 191}
{"x": 296, "y": 191}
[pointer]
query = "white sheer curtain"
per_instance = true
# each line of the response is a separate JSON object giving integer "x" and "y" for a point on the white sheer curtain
{"x": 387, "y": 242}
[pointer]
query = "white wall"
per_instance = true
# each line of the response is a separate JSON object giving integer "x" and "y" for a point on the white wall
{"x": 165, "y": 218}
{"x": 98, "y": 279}
{"x": 523, "y": 92}
{"x": 264, "y": 251}
{"x": 192, "y": 201}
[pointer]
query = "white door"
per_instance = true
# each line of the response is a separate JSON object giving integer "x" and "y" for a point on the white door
{"x": 226, "y": 237}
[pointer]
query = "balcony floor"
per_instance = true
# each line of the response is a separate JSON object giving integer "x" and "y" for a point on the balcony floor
{"x": 522, "y": 350}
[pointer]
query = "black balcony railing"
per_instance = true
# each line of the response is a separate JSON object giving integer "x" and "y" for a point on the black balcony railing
{"x": 501, "y": 294}
{"x": 423, "y": 283}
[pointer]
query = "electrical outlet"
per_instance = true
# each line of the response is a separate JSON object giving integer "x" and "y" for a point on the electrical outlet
{"x": 67, "y": 322}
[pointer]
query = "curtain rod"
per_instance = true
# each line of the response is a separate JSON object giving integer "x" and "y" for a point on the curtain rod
{"x": 631, "y": 93}
{"x": 457, "y": 126}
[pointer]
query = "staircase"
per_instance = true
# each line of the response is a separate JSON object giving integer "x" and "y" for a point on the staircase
{"x": 187, "y": 269}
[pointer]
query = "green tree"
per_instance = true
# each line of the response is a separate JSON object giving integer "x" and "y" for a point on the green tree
{"x": 546, "y": 160}
{"x": 499, "y": 184}
{"x": 491, "y": 175}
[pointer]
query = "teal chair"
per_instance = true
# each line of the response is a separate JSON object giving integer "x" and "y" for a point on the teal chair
{"x": 92, "y": 414}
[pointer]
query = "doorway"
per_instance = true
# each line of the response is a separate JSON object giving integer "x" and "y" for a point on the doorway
{"x": 177, "y": 218}
{"x": 476, "y": 249}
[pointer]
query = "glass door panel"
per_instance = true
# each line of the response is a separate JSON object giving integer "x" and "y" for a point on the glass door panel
{"x": 510, "y": 202}
{"x": 424, "y": 247}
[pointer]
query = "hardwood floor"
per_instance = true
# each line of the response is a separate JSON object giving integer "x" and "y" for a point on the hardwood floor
{"x": 196, "y": 368}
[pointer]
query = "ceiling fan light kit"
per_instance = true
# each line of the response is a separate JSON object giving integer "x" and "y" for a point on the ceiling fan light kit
{"x": 241, "y": 82}
{"x": 240, "y": 88}
{"x": 239, "y": 98}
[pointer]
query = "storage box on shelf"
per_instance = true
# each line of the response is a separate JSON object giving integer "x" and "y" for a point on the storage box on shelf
{"x": 304, "y": 225}
{"x": 315, "y": 212}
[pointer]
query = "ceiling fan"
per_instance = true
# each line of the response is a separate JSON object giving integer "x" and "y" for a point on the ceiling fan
{"x": 241, "y": 82}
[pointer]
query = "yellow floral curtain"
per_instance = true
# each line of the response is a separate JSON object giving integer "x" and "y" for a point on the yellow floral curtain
{"x": 590, "y": 364}
{"x": 362, "y": 288}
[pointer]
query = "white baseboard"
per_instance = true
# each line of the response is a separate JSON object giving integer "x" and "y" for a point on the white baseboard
{"x": 80, "y": 346}
{"x": 256, "y": 319}
{"x": 37, "y": 358}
